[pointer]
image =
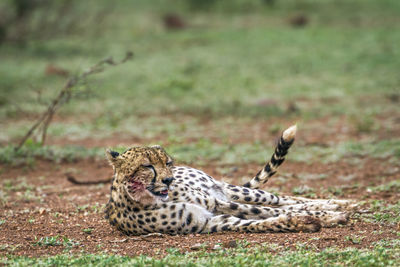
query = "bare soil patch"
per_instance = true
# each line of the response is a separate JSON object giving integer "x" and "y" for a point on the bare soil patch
{"x": 55, "y": 207}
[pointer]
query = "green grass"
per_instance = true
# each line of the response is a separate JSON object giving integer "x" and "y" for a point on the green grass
{"x": 28, "y": 154}
{"x": 48, "y": 241}
{"x": 204, "y": 151}
{"x": 384, "y": 254}
{"x": 383, "y": 212}
{"x": 392, "y": 186}
{"x": 304, "y": 191}
{"x": 230, "y": 64}
{"x": 224, "y": 66}
{"x": 239, "y": 62}
{"x": 344, "y": 62}
{"x": 52, "y": 241}
{"x": 352, "y": 151}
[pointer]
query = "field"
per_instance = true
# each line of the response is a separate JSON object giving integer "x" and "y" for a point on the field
{"x": 216, "y": 93}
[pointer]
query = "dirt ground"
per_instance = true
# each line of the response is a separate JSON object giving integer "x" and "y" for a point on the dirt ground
{"x": 42, "y": 203}
{"x": 59, "y": 208}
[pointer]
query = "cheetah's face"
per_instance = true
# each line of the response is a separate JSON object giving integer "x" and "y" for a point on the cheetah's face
{"x": 144, "y": 173}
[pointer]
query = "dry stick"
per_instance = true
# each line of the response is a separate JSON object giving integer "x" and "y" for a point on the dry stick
{"x": 140, "y": 238}
{"x": 65, "y": 92}
{"x": 73, "y": 180}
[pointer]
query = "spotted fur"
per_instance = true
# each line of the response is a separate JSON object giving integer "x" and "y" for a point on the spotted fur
{"x": 149, "y": 194}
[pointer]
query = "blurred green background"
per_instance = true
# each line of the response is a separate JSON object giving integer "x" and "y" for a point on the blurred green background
{"x": 215, "y": 82}
{"x": 199, "y": 67}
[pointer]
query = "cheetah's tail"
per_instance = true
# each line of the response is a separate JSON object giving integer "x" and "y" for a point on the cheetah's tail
{"x": 277, "y": 158}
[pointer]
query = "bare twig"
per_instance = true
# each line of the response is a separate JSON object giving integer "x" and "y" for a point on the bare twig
{"x": 65, "y": 95}
{"x": 39, "y": 98}
{"x": 73, "y": 180}
{"x": 140, "y": 238}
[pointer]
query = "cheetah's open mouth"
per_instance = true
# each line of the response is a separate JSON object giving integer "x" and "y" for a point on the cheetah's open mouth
{"x": 163, "y": 193}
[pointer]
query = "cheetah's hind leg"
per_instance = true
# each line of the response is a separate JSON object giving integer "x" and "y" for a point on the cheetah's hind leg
{"x": 257, "y": 212}
{"x": 282, "y": 223}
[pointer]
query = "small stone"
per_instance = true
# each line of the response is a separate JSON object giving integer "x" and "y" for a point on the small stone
{"x": 217, "y": 247}
{"x": 42, "y": 211}
{"x": 198, "y": 246}
{"x": 230, "y": 244}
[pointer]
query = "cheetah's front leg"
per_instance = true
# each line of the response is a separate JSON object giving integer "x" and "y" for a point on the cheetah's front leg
{"x": 260, "y": 197}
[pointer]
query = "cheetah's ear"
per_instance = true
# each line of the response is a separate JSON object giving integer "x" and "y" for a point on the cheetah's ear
{"x": 157, "y": 147}
{"x": 113, "y": 157}
{"x": 160, "y": 148}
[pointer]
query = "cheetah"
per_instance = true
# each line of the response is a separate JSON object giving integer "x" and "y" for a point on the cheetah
{"x": 149, "y": 194}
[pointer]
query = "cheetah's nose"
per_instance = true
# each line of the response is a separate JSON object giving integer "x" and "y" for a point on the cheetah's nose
{"x": 168, "y": 180}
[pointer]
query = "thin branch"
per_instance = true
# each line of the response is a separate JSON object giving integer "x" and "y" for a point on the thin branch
{"x": 73, "y": 180}
{"x": 64, "y": 96}
{"x": 141, "y": 238}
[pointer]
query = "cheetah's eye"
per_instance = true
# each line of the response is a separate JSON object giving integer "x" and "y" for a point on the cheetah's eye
{"x": 170, "y": 163}
{"x": 148, "y": 166}
{"x": 151, "y": 167}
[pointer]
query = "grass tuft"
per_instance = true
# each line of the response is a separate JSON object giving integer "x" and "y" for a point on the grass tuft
{"x": 380, "y": 255}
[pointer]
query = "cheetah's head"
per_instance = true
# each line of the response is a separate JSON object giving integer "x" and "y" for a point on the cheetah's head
{"x": 143, "y": 173}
